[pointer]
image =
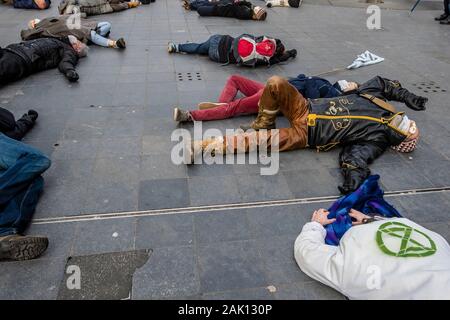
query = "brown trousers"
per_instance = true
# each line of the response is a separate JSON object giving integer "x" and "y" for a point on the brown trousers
{"x": 280, "y": 95}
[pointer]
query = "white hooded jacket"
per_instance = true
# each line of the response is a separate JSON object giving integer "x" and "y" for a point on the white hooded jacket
{"x": 360, "y": 269}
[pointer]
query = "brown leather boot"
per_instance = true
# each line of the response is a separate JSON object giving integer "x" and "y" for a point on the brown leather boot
{"x": 195, "y": 149}
{"x": 264, "y": 120}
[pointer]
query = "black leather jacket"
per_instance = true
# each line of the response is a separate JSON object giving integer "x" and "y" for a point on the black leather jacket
{"x": 42, "y": 54}
{"x": 361, "y": 127}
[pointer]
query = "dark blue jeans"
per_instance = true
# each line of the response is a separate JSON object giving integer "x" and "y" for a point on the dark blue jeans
{"x": 21, "y": 184}
{"x": 210, "y": 47}
{"x": 195, "y": 4}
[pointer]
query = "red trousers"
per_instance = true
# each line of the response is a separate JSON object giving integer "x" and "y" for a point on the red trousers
{"x": 252, "y": 90}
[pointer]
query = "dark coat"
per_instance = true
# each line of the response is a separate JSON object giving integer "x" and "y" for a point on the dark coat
{"x": 359, "y": 125}
{"x": 34, "y": 56}
{"x": 57, "y": 27}
{"x": 242, "y": 10}
{"x": 314, "y": 87}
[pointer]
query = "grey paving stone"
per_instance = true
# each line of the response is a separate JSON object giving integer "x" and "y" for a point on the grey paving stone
{"x": 246, "y": 294}
{"x": 161, "y": 167}
{"x": 259, "y": 188}
{"x": 219, "y": 226}
{"x": 425, "y": 208}
{"x": 307, "y": 291}
{"x": 163, "y": 193}
{"x": 60, "y": 238}
{"x": 312, "y": 183}
{"x": 171, "y": 272}
{"x": 34, "y": 279}
{"x": 230, "y": 266}
{"x": 279, "y": 221}
{"x": 213, "y": 190}
{"x": 165, "y": 231}
{"x": 104, "y": 236}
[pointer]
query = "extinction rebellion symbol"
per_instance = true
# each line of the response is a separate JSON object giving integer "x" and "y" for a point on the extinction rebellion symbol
{"x": 409, "y": 242}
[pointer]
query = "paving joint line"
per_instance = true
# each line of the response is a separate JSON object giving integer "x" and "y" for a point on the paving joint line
{"x": 220, "y": 207}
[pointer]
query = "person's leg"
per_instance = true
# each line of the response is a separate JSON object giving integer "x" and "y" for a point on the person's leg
{"x": 20, "y": 165}
{"x": 22, "y": 126}
{"x": 278, "y": 95}
{"x": 104, "y": 28}
{"x": 195, "y": 48}
{"x": 100, "y": 40}
{"x": 207, "y": 11}
{"x": 447, "y": 7}
{"x": 18, "y": 213}
{"x": 246, "y": 105}
{"x": 237, "y": 83}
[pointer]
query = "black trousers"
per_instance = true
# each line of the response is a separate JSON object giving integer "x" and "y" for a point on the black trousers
{"x": 447, "y": 6}
{"x": 14, "y": 129}
{"x": 12, "y": 67}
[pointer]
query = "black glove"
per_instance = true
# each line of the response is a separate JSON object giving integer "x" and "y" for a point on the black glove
{"x": 293, "y": 53}
{"x": 415, "y": 102}
{"x": 72, "y": 76}
{"x": 353, "y": 179}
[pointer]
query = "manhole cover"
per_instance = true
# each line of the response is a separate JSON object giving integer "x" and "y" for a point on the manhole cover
{"x": 429, "y": 87}
{"x": 189, "y": 76}
{"x": 106, "y": 276}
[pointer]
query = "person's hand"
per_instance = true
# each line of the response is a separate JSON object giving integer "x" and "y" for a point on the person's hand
{"x": 416, "y": 102}
{"x": 72, "y": 75}
{"x": 293, "y": 53}
{"x": 358, "y": 216}
{"x": 321, "y": 216}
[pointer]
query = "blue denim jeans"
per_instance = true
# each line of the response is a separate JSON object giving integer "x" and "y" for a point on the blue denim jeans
{"x": 21, "y": 184}
{"x": 210, "y": 47}
{"x": 98, "y": 35}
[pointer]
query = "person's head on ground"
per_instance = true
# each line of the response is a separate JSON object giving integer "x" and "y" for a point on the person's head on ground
{"x": 259, "y": 13}
{"x": 80, "y": 48}
{"x": 410, "y": 129}
{"x": 32, "y": 23}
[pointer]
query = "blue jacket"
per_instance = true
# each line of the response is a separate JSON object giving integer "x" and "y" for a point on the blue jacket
{"x": 315, "y": 87}
{"x": 29, "y": 4}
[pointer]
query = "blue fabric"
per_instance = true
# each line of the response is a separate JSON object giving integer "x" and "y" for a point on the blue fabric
{"x": 195, "y": 4}
{"x": 21, "y": 183}
{"x": 210, "y": 47}
{"x": 368, "y": 199}
{"x": 29, "y": 4}
{"x": 314, "y": 87}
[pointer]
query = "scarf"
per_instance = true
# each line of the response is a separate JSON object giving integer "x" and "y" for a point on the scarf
{"x": 368, "y": 199}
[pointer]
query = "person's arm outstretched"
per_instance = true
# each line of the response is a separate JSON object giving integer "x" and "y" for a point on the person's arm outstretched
{"x": 318, "y": 260}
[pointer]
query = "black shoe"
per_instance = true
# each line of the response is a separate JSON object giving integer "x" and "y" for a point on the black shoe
{"x": 33, "y": 114}
{"x": 121, "y": 43}
{"x": 446, "y": 21}
{"x": 145, "y": 1}
{"x": 17, "y": 247}
{"x": 441, "y": 17}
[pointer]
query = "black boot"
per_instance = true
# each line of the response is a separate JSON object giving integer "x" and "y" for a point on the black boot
{"x": 33, "y": 114}
{"x": 441, "y": 17}
{"x": 445, "y": 21}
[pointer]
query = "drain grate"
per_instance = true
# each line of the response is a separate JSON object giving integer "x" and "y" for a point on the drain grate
{"x": 429, "y": 87}
{"x": 189, "y": 76}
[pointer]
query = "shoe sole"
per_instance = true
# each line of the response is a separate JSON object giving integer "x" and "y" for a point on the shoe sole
{"x": 24, "y": 249}
{"x": 176, "y": 114}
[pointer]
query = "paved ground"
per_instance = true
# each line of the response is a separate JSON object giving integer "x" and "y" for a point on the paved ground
{"x": 109, "y": 139}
